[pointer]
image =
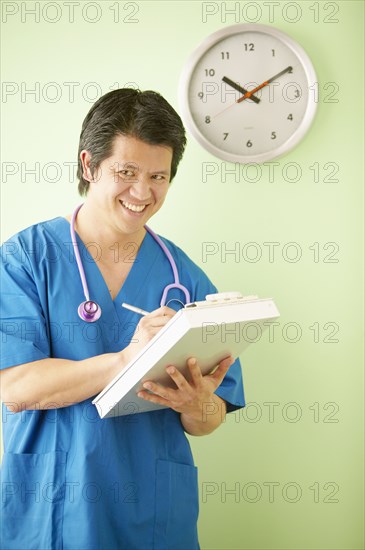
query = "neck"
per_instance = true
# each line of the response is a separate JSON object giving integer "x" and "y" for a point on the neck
{"x": 110, "y": 243}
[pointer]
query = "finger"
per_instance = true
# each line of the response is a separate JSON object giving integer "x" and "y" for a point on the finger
{"x": 222, "y": 369}
{"x": 160, "y": 390}
{"x": 152, "y": 398}
{"x": 162, "y": 311}
{"x": 159, "y": 321}
{"x": 154, "y": 321}
{"x": 179, "y": 379}
{"x": 195, "y": 372}
{"x": 159, "y": 317}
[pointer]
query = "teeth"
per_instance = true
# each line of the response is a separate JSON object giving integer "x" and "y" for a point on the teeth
{"x": 134, "y": 207}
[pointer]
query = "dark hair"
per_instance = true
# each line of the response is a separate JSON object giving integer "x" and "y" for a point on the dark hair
{"x": 144, "y": 115}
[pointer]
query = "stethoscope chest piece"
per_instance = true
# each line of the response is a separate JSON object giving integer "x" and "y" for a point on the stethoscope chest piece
{"x": 89, "y": 311}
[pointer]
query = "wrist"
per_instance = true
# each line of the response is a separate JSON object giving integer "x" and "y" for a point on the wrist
{"x": 210, "y": 415}
{"x": 118, "y": 361}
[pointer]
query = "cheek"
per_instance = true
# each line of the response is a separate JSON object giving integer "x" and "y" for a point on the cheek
{"x": 161, "y": 194}
{"x": 115, "y": 187}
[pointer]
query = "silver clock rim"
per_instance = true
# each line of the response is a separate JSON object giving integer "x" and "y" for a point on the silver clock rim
{"x": 194, "y": 58}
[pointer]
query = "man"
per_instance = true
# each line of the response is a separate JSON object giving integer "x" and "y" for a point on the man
{"x": 70, "y": 479}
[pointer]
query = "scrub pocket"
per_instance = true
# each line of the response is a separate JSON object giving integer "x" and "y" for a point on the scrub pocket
{"x": 177, "y": 506}
{"x": 33, "y": 489}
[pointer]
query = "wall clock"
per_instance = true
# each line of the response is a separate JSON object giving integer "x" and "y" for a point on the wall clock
{"x": 247, "y": 93}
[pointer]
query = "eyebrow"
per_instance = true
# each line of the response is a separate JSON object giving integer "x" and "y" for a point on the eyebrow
{"x": 164, "y": 172}
{"x": 134, "y": 166}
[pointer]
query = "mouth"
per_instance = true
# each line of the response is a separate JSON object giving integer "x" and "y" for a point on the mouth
{"x": 133, "y": 208}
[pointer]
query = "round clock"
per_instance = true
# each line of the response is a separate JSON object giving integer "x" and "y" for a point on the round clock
{"x": 247, "y": 93}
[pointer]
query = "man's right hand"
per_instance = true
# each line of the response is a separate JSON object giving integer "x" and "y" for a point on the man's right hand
{"x": 146, "y": 329}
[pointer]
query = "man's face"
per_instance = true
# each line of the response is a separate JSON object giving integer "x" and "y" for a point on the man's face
{"x": 130, "y": 185}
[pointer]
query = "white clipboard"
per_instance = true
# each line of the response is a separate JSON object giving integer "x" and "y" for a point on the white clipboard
{"x": 210, "y": 331}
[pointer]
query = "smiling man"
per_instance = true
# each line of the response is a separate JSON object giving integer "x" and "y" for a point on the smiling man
{"x": 71, "y": 480}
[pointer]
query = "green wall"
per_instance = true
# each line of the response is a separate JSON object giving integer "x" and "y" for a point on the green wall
{"x": 286, "y": 472}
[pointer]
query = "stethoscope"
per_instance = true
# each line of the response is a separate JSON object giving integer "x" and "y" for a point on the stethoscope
{"x": 89, "y": 310}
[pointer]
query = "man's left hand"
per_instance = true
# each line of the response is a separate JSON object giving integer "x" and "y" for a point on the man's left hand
{"x": 190, "y": 398}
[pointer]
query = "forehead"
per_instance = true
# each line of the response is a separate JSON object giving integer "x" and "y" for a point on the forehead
{"x": 147, "y": 156}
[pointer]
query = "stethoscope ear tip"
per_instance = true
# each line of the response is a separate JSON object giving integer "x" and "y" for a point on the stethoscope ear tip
{"x": 89, "y": 311}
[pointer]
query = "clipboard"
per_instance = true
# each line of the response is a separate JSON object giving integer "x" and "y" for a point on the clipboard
{"x": 209, "y": 330}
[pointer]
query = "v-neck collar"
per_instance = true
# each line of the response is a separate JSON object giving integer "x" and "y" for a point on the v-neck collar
{"x": 84, "y": 252}
{"x": 146, "y": 256}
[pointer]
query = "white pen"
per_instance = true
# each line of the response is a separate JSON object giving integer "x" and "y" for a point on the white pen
{"x": 135, "y": 309}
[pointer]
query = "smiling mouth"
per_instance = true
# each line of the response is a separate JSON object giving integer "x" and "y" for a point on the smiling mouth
{"x": 133, "y": 207}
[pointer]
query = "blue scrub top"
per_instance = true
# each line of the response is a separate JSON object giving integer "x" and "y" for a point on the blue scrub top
{"x": 71, "y": 480}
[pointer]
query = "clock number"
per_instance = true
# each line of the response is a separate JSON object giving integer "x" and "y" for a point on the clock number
{"x": 249, "y": 143}
{"x": 290, "y": 117}
{"x": 201, "y": 95}
{"x": 273, "y": 53}
{"x": 273, "y": 135}
{"x": 209, "y": 72}
{"x": 225, "y": 135}
{"x": 207, "y": 119}
{"x": 249, "y": 47}
{"x": 296, "y": 93}
{"x": 225, "y": 55}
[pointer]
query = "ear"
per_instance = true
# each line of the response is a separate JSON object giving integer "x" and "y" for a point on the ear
{"x": 85, "y": 158}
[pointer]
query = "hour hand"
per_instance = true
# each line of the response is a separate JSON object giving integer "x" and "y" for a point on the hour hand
{"x": 240, "y": 89}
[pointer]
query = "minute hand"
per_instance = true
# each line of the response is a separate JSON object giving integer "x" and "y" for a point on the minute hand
{"x": 248, "y": 94}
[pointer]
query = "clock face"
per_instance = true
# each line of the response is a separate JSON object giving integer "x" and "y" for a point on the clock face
{"x": 245, "y": 93}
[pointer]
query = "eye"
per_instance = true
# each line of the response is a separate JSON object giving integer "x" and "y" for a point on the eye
{"x": 127, "y": 173}
{"x": 158, "y": 177}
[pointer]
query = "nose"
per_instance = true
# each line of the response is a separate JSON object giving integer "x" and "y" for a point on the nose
{"x": 140, "y": 188}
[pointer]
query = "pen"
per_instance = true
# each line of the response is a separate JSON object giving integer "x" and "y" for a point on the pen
{"x": 135, "y": 309}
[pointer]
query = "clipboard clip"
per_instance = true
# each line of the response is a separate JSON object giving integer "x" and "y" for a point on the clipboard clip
{"x": 222, "y": 298}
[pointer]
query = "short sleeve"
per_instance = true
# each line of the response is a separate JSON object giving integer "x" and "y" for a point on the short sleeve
{"x": 24, "y": 335}
{"x": 231, "y": 388}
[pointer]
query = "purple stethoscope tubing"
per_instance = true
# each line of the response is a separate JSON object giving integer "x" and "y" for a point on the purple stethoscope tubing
{"x": 176, "y": 283}
{"x": 89, "y": 310}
